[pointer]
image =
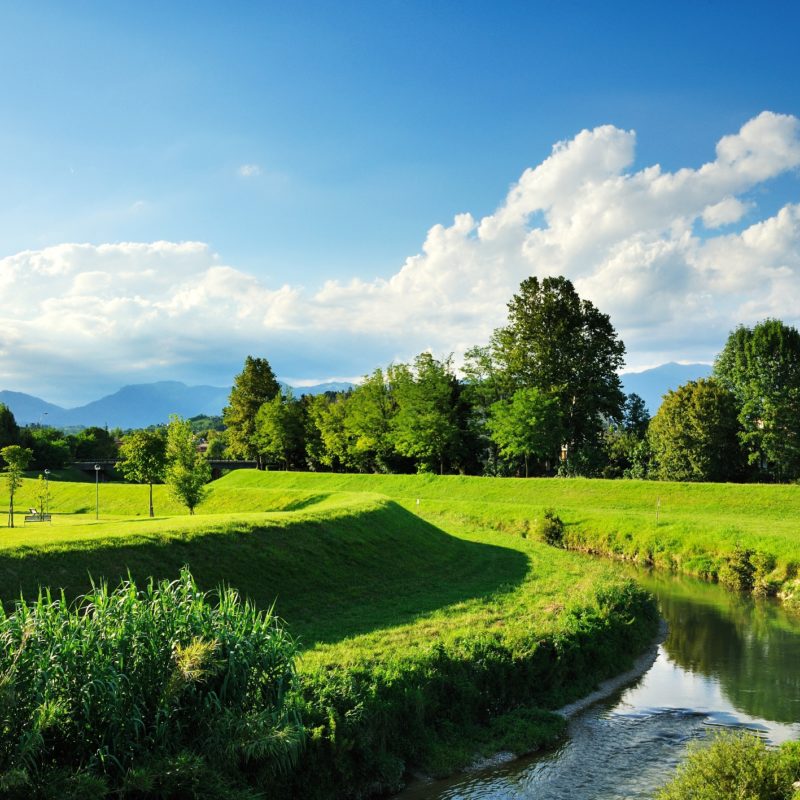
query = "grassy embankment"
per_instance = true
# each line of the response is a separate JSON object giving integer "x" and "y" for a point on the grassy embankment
{"x": 426, "y": 638}
{"x": 691, "y": 528}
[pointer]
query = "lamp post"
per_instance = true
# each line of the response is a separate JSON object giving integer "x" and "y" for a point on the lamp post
{"x": 47, "y": 491}
{"x": 97, "y": 491}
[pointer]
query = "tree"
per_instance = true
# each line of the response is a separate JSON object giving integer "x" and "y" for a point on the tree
{"x": 279, "y": 429}
{"x": 252, "y": 387}
{"x": 17, "y": 459}
{"x": 635, "y": 416}
{"x": 333, "y": 447}
{"x": 51, "y": 449}
{"x": 694, "y": 435}
{"x": 761, "y": 366}
{"x": 144, "y": 458}
{"x": 626, "y": 447}
{"x": 527, "y": 425}
{"x": 564, "y": 346}
{"x": 94, "y": 444}
{"x": 9, "y": 430}
{"x": 425, "y": 426}
{"x": 370, "y": 410}
{"x": 187, "y": 471}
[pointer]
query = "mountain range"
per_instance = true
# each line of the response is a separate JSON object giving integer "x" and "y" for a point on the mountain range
{"x": 136, "y": 406}
{"x": 652, "y": 384}
{"x": 143, "y": 404}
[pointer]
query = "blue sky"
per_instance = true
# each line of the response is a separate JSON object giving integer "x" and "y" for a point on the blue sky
{"x": 305, "y": 143}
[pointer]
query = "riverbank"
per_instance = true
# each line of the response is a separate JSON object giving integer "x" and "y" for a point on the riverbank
{"x": 423, "y": 643}
{"x": 742, "y": 535}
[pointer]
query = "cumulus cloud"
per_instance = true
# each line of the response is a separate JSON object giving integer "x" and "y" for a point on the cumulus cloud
{"x": 676, "y": 258}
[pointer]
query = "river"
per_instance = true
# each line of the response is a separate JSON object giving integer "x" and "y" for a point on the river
{"x": 727, "y": 663}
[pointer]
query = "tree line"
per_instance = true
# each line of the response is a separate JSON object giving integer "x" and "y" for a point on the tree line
{"x": 542, "y": 397}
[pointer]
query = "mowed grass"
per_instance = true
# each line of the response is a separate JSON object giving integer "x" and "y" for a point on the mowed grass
{"x": 339, "y": 556}
{"x": 679, "y": 525}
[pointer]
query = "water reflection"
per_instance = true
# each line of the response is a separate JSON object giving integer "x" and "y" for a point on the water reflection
{"x": 748, "y": 651}
{"x": 727, "y": 662}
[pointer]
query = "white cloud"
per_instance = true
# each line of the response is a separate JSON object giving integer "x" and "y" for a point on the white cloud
{"x": 249, "y": 170}
{"x": 645, "y": 245}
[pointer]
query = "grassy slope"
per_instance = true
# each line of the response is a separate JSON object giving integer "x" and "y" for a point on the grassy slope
{"x": 698, "y": 523}
{"x": 419, "y": 629}
{"x": 336, "y": 562}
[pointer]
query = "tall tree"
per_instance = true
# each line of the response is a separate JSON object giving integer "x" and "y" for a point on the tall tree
{"x": 9, "y": 430}
{"x": 279, "y": 429}
{"x": 425, "y": 426}
{"x": 761, "y": 366}
{"x": 370, "y": 410}
{"x": 527, "y": 425}
{"x": 253, "y": 386}
{"x": 333, "y": 447}
{"x": 144, "y": 456}
{"x": 17, "y": 459}
{"x": 694, "y": 434}
{"x": 556, "y": 342}
{"x": 187, "y": 471}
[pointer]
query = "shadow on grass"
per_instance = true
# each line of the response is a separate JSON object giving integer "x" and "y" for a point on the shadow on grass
{"x": 329, "y": 578}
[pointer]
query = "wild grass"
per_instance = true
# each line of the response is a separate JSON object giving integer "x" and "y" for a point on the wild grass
{"x": 143, "y": 692}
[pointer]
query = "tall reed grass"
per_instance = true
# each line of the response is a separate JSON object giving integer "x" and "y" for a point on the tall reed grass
{"x": 144, "y": 693}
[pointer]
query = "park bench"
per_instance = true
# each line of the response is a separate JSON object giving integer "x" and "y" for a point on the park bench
{"x": 35, "y": 516}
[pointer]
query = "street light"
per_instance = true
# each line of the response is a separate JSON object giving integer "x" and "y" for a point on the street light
{"x": 97, "y": 491}
{"x": 47, "y": 491}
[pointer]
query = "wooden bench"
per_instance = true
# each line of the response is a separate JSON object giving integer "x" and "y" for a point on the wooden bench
{"x": 35, "y": 516}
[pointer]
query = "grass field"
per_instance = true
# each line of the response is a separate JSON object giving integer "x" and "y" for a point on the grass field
{"x": 422, "y": 603}
{"x": 428, "y": 633}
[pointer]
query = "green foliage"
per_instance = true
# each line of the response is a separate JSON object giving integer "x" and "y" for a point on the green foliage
{"x": 561, "y": 344}
{"x": 425, "y": 426}
{"x": 694, "y": 435}
{"x": 550, "y": 528}
{"x": 371, "y": 408}
{"x": 635, "y": 416}
{"x": 17, "y": 459}
{"x": 747, "y": 570}
{"x": 9, "y": 430}
{"x": 94, "y": 444}
{"x": 144, "y": 455}
{"x": 144, "y": 693}
{"x": 252, "y": 387}
{"x": 527, "y": 425}
{"x": 736, "y": 765}
{"x": 279, "y": 430}
{"x": 761, "y": 366}
{"x": 51, "y": 449}
{"x": 187, "y": 472}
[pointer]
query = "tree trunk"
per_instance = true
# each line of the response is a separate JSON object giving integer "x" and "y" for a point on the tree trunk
{"x": 526, "y": 465}
{"x": 11, "y": 511}
{"x": 151, "y": 501}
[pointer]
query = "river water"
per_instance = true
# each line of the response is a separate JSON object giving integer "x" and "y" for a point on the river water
{"x": 727, "y": 663}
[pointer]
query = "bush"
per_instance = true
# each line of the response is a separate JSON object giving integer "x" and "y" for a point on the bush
{"x": 748, "y": 570}
{"x": 551, "y": 528}
{"x": 145, "y": 693}
{"x": 735, "y": 765}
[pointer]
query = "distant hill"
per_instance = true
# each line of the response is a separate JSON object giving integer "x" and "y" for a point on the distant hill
{"x": 135, "y": 406}
{"x": 652, "y": 384}
{"x": 29, "y": 409}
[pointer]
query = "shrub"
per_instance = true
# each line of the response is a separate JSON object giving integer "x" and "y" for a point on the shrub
{"x": 735, "y": 765}
{"x": 551, "y": 528}
{"x": 155, "y": 692}
{"x": 748, "y": 571}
